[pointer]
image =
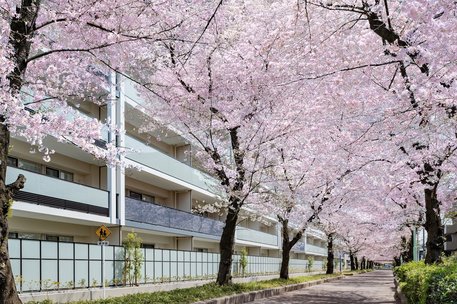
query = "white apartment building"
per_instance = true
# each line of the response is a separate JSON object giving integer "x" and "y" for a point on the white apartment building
{"x": 66, "y": 199}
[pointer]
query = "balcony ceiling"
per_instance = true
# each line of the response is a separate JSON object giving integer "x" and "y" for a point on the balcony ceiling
{"x": 67, "y": 149}
{"x": 148, "y": 178}
{"x": 136, "y": 118}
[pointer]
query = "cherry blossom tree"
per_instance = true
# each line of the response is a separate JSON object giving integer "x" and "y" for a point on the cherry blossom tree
{"x": 225, "y": 98}
{"x": 414, "y": 42}
{"x": 296, "y": 190}
{"x": 56, "y": 55}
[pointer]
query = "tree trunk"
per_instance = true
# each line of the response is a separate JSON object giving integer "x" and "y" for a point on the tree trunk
{"x": 433, "y": 226}
{"x": 287, "y": 245}
{"x": 284, "y": 272}
{"x": 407, "y": 250}
{"x": 226, "y": 244}
{"x": 8, "y": 293}
{"x": 356, "y": 260}
{"x": 21, "y": 34}
{"x": 397, "y": 261}
{"x": 330, "y": 255}
{"x": 351, "y": 257}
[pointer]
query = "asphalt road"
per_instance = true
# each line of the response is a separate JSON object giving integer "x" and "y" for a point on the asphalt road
{"x": 376, "y": 287}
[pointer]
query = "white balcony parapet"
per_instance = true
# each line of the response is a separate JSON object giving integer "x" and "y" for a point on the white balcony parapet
{"x": 60, "y": 193}
{"x": 254, "y": 236}
{"x": 313, "y": 249}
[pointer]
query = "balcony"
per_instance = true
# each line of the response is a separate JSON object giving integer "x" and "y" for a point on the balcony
{"x": 299, "y": 247}
{"x": 49, "y": 191}
{"x": 250, "y": 235}
{"x": 153, "y": 158}
{"x": 316, "y": 233}
{"x": 313, "y": 249}
{"x": 153, "y": 214}
{"x": 450, "y": 232}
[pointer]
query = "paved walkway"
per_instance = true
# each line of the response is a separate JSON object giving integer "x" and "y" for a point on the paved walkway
{"x": 376, "y": 287}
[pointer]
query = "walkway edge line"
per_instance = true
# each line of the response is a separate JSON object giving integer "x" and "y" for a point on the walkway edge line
{"x": 265, "y": 293}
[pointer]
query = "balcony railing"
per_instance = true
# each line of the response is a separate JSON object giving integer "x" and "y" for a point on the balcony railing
{"x": 54, "y": 192}
{"x": 153, "y": 158}
{"x": 255, "y": 236}
{"x": 313, "y": 249}
{"x": 149, "y": 213}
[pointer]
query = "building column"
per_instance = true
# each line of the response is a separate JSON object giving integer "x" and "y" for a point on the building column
{"x": 184, "y": 243}
{"x": 279, "y": 235}
{"x": 120, "y": 142}
{"x": 111, "y": 171}
{"x": 184, "y": 201}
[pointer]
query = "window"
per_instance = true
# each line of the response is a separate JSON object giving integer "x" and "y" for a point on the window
{"x": 142, "y": 197}
{"x": 68, "y": 176}
{"x": 52, "y": 172}
{"x": 29, "y": 166}
{"x": 135, "y": 195}
{"x": 38, "y": 236}
{"x": 148, "y": 246}
{"x": 59, "y": 238}
{"x": 53, "y": 238}
{"x": 65, "y": 239}
{"x": 12, "y": 161}
{"x": 30, "y": 236}
{"x": 148, "y": 198}
{"x": 201, "y": 249}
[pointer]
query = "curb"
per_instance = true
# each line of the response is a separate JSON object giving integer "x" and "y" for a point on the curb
{"x": 398, "y": 294}
{"x": 265, "y": 293}
{"x": 86, "y": 294}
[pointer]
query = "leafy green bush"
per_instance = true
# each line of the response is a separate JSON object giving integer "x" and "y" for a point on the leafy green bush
{"x": 429, "y": 284}
{"x": 243, "y": 260}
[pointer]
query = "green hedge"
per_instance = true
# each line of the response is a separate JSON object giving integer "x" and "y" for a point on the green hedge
{"x": 429, "y": 284}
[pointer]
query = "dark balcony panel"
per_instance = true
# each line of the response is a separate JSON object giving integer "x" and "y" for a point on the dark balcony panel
{"x": 59, "y": 203}
{"x": 299, "y": 246}
{"x": 149, "y": 213}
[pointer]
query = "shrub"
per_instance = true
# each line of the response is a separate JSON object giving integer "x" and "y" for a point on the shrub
{"x": 310, "y": 263}
{"x": 429, "y": 284}
{"x": 133, "y": 259}
{"x": 243, "y": 260}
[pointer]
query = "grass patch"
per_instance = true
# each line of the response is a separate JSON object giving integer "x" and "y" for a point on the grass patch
{"x": 200, "y": 293}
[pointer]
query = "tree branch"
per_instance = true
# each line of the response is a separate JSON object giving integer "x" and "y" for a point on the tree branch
{"x": 15, "y": 187}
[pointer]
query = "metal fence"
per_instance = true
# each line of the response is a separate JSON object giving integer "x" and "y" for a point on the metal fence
{"x": 46, "y": 265}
